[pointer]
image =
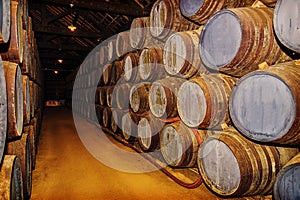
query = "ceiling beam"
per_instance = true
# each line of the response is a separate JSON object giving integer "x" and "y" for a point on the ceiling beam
{"x": 120, "y": 8}
{"x": 63, "y": 47}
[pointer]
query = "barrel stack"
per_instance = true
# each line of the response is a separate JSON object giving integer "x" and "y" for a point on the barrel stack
{"x": 20, "y": 100}
{"x": 204, "y": 82}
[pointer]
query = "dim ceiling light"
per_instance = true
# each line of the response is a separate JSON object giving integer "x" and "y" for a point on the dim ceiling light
{"x": 72, "y": 28}
{"x": 60, "y": 60}
{"x": 55, "y": 71}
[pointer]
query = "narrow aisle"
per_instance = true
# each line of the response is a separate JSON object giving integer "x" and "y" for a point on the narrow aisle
{"x": 66, "y": 170}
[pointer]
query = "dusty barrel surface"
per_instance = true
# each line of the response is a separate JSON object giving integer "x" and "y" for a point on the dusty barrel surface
{"x": 149, "y": 128}
{"x": 131, "y": 64}
{"x": 151, "y": 64}
{"x": 122, "y": 96}
{"x": 99, "y": 114}
{"x": 165, "y": 19}
{"x": 111, "y": 54}
{"x": 179, "y": 145}
{"x": 14, "y": 88}
{"x": 287, "y": 182}
{"x": 163, "y": 97}
{"x": 26, "y": 99}
{"x": 203, "y": 101}
{"x": 16, "y": 44}
{"x": 264, "y": 105}
{"x": 110, "y": 96}
{"x": 11, "y": 178}
{"x": 32, "y": 96}
{"x": 116, "y": 120}
{"x": 129, "y": 126}
{"x": 118, "y": 72}
{"x": 107, "y": 74}
{"x": 138, "y": 97}
{"x": 103, "y": 54}
{"x": 32, "y": 138}
{"x": 232, "y": 165}
{"x": 286, "y": 23}
{"x": 181, "y": 57}
{"x": 107, "y": 117}
{"x": 3, "y": 110}
{"x": 201, "y": 11}
{"x": 22, "y": 149}
{"x": 102, "y": 96}
{"x": 123, "y": 43}
{"x": 236, "y": 41}
{"x": 5, "y": 21}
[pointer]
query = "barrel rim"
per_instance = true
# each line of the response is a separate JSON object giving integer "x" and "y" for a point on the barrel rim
{"x": 163, "y": 95}
{"x": 187, "y": 13}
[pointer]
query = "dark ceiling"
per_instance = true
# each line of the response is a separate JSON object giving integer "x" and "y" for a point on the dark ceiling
{"x": 95, "y": 22}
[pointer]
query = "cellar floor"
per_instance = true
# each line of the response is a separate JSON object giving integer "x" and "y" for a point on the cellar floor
{"x": 65, "y": 169}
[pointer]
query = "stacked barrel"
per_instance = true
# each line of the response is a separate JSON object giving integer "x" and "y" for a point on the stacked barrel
{"x": 21, "y": 103}
{"x": 208, "y": 85}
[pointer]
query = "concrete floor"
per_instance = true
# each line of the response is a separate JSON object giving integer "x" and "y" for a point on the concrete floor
{"x": 66, "y": 170}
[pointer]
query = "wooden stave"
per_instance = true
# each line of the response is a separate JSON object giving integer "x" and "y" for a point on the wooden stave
{"x": 133, "y": 65}
{"x": 123, "y": 43}
{"x": 107, "y": 71}
{"x": 110, "y": 96}
{"x": 32, "y": 138}
{"x": 106, "y": 118}
{"x": 14, "y": 88}
{"x": 26, "y": 101}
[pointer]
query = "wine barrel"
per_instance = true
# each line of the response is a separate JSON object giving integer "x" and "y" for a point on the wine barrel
{"x": 32, "y": 138}
{"x": 129, "y": 126}
{"x": 3, "y": 110}
{"x": 102, "y": 96}
{"x": 31, "y": 91}
{"x": 140, "y": 36}
{"x": 179, "y": 145}
{"x": 111, "y": 54}
{"x": 165, "y": 19}
{"x": 123, "y": 43}
{"x": 138, "y": 97}
{"x": 22, "y": 149}
{"x": 148, "y": 131}
{"x": 107, "y": 74}
{"x": 103, "y": 54}
{"x": 11, "y": 185}
{"x": 249, "y": 41}
{"x": 203, "y": 101}
{"x": 118, "y": 72}
{"x": 201, "y": 11}
{"x": 131, "y": 64}
{"x": 122, "y": 96}
{"x": 286, "y": 23}
{"x": 5, "y": 21}
{"x": 263, "y": 116}
{"x": 26, "y": 99}
{"x": 151, "y": 64}
{"x": 232, "y": 165}
{"x": 116, "y": 120}
{"x": 287, "y": 182}
{"x": 99, "y": 114}
{"x": 27, "y": 59}
{"x": 110, "y": 96}
{"x": 163, "y": 97}
{"x": 106, "y": 117}
{"x": 15, "y": 48}
{"x": 181, "y": 57}
{"x": 14, "y": 88}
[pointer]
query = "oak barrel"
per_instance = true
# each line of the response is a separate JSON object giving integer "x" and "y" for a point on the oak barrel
{"x": 107, "y": 74}
{"x": 287, "y": 181}
{"x": 122, "y": 95}
{"x": 232, "y": 165}
{"x": 181, "y": 57}
{"x": 32, "y": 138}
{"x": 110, "y": 96}
{"x": 179, "y": 145}
{"x": 111, "y": 54}
{"x": 165, "y": 19}
{"x": 264, "y": 105}
{"x": 203, "y": 101}
{"x": 201, "y": 11}
{"x": 107, "y": 117}
{"x": 22, "y": 149}
{"x": 116, "y": 120}
{"x": 149, "y": 128}
{"x": 14, "y": 88}
{"x": 131, "y": 64}
{"x": 32, "y": 96}
{"x": 102, "y": 96}
{"x": 129, "y": 126}
{"x": 249, "y": 41}
{"x": 3, "y": 110}
{"x": 138, "y": 97}
{"x": 5, "y": 21}
{"x": 26, "y": 99}
{"x": 163, "y": 97}
{"x": 123, "y": 43}
{"x": 286, "y": 23}
{"x": 11, "y": 184}
{"x": 103, "y": 54}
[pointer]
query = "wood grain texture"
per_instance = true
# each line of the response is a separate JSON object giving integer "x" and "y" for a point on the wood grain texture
{"x": 3, "y": 110}
{"x": 131, "y": 64}
{"x": 138, "y": 97}
{"x": 26, "y": 99}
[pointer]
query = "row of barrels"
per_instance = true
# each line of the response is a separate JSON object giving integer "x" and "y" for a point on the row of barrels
{"x": 186, "y": 115}
{"x": 20, "y": 96}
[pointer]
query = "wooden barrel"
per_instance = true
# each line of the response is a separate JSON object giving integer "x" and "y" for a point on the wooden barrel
{"x": 99, "y": 114}
{"x": 131, "y": 64}
{"x": 27, "y": 56}
{"x": 151, "y": 64}
{"x": 165, "y": 19}
{"x": 270, "y": 3}
{"x": 129, "y": 126}
{"x": 163, "y": 97}
{"x": 264, "y": 105}
{"x": 201, "y": 11}
{"x": 14, "y": 88}
{"x": 179, "y": 145}
{"x": 118, "y": 72}
{"x": 31, "y": 90}
{"x": 32, "y": 138}
{"x": 122, "y": 96}
{"x": 249, "y": 41}
{"x": 22, "y": 149}
{"x": 287, "y": 182}
{"x": 5, "y": 21}
{"x": 138, "y": 97}
{"x": 116, "y": 120}
{"x": 203, "y": 101}
{"x": 148, "y": 131}
{"x": 103, "y": 54}
{"x": 286, "y": 23}
{"x": 110, "y": 96}
{"x": 102, "y": 96}
{"x": 232, "y": 165}
{"x": 111, "y": 54}
{"x": 181, "y": 57}
{"x": 3, "y": 110}
{"x": 106, "y": 117}
{"x": 15, "y": 47}
{"x": 107, "y": 74}
{"x": 11, "y": 185}
{"x": 123, "y": 43}
{"x": 26, "y": 99}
